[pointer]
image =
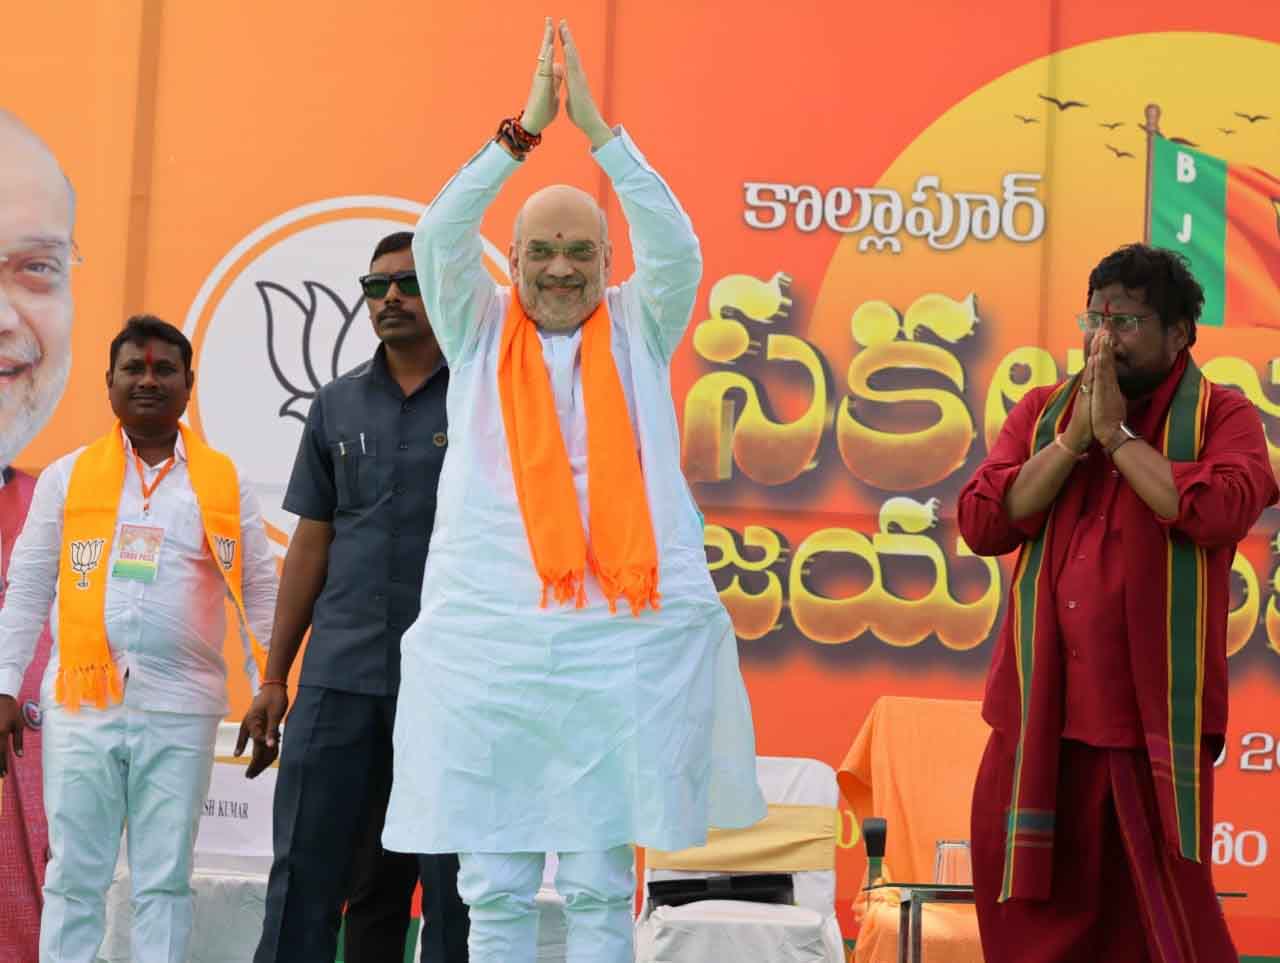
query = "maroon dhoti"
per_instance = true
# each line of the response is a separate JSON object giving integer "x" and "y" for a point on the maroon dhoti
{"x": 24, "y": 834}
{"x": 1119, "y": 892}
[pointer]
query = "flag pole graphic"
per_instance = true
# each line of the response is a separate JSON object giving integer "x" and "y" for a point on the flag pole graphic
{"x": 1152, "y": 127}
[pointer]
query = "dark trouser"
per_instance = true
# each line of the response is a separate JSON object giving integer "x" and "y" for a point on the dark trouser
{"x": 1118, "y": 893}
{"x": 333, "y": 782}
{"x": 377, "y": 917}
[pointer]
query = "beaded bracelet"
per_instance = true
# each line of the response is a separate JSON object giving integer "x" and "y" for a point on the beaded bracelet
{"x": 516, "y": 137}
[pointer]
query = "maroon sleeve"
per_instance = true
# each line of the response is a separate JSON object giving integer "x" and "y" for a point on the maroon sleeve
{"x": 1222, "y": 494}
{"x": 984, "y": 523}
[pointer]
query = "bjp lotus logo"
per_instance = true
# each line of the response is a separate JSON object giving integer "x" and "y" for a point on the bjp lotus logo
{"x": 311, "y": 327}
{"x": 86, "y": 554}
{"x": 226, "y": 550}
{"x": 280, "y": 316}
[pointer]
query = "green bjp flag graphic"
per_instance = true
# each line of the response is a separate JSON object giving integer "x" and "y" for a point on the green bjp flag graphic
{"x": 1225, "y": 218}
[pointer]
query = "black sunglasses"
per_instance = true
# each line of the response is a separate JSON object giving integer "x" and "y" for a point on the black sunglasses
{"x": 377, "y": 286}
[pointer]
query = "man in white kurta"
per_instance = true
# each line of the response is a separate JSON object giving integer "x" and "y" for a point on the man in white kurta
{"x": 524, "y": 729}
{"x": 146, "y": 759}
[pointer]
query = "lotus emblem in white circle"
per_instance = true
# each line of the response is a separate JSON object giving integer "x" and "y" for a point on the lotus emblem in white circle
{"x": 280, "y": 316}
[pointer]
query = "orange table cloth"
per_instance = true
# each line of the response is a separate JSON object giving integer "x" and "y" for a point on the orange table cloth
{"x": 913, "y": 763}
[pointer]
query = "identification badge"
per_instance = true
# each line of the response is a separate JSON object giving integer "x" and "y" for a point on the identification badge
{"x": 139, "y": 557}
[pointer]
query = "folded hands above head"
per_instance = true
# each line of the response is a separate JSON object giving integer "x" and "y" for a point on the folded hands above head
{"x": 543, "y": 103}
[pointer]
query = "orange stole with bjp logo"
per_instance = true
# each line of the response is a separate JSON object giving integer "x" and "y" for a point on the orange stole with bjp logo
{"x": 86, "y": 671}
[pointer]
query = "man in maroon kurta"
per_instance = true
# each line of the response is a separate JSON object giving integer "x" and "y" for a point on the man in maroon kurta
{"x": 1084, "y": 846}
{"x": 24, "y": 833}
{"x": 37, "y": 215}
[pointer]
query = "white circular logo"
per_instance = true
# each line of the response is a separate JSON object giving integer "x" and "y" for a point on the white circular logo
{"x": 280, "y": 316}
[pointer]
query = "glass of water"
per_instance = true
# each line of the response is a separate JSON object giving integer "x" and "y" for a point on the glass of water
{"x": 951, "y": 863}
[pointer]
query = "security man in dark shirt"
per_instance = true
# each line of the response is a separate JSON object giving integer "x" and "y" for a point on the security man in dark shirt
{"x": 364, "y": 488}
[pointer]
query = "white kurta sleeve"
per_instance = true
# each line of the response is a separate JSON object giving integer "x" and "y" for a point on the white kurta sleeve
{"x": 448, "y": 254}
{"x": 259, "y": 582}
{"x": 668, "y": 258}
{"x": 33, "y": 578}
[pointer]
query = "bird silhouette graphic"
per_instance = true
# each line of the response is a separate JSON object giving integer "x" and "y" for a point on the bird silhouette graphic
{"x": 1062, "y": 104}
{"x": 1183, "y": 141}
{"x": 1253, "y": 118}
{"x": 1227, "y": 130}
{"x": 1027, "y": 120}
{"x": 1117, "y": 151}
{"x": 1113, "y": 125}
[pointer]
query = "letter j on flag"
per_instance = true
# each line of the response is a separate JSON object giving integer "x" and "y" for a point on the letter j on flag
{"x": 1225, "y": 218}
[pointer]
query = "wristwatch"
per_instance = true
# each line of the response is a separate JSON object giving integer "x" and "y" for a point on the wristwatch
{"x": 1125, "y": 435}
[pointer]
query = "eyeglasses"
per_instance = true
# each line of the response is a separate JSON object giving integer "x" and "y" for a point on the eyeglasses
{"x": 1119, "y": 323}
{"x": 41, "y": 268}
{"x": 378, "y": 286}
{"x": 574, "y": 250}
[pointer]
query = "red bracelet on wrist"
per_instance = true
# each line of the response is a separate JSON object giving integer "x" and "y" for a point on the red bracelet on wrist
{"x": 516, "y": 137}
{"x": 280, "y": 682}
{"x": 530, "y": 141}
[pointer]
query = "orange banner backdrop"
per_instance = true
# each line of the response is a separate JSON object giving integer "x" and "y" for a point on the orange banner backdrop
{"x": 898, "y": 205}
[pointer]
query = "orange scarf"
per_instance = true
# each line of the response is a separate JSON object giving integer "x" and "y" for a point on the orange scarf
{"x": 623, "y": 554}
{"x": 86, "y": 671}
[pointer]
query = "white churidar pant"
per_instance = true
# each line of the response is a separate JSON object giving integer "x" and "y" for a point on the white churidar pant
{"x": 598, "y": 890}
{"x": 103, "y": 768}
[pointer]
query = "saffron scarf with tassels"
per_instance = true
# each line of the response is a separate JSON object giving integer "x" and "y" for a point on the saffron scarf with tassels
{"x": 623, "y": 554}
{"x": 1166, "y": 630}
{"x": 86, "y": 671}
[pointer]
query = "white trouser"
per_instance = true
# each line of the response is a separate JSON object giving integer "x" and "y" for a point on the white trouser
{"x": 598, "y": 889}
{"x": 101, "y": 768}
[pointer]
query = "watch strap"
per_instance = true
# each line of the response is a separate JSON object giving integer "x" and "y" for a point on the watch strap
{"x": 1123, "y": 435}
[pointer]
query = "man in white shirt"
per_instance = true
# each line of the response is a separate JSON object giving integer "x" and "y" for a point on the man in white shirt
{"x": 136, "y": 683}
{"x": 571, "y": 683}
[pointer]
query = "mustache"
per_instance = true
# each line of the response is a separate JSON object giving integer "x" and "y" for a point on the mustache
{"x": 561, "y": 285}
{"x": 393, "y": 312}
{"x": 19, "y": 349}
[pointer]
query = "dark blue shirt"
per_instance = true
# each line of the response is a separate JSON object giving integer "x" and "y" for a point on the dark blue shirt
{"x": 368, "y": 464}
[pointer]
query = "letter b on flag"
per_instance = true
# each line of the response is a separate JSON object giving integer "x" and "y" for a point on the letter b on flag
{"x": 1186, "y": 168}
